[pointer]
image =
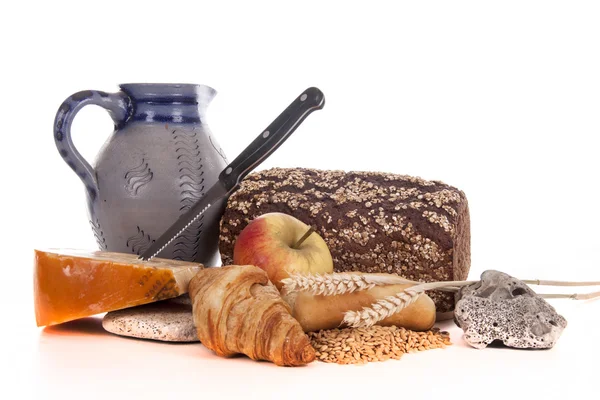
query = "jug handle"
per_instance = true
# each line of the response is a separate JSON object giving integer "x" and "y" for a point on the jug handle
{"x": 118, "y": 106}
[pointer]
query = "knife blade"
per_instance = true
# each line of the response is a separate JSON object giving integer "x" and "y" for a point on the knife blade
{"x": 229, "y": 179}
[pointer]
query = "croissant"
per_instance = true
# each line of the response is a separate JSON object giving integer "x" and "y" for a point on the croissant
{"x": 237, "y": 309}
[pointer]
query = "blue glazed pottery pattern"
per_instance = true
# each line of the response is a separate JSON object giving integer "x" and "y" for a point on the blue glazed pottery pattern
{"x": 157, "y": 163}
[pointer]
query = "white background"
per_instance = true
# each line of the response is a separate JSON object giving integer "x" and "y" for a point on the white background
{"x": 500, "y": 99}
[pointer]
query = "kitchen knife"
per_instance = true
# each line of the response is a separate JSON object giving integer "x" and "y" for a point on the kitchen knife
{"x": 229, "y": 179}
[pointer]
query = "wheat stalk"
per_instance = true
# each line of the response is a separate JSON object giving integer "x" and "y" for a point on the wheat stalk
{"x": 338, "y": 283}
{"x": 341, "y": 283}
{"x": 574, "y": 296}
{"x": 541, "y": 282}
{"x": 391, "y": 305}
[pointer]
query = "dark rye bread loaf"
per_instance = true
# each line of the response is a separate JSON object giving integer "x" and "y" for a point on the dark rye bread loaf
{"x": 372, "y": 222}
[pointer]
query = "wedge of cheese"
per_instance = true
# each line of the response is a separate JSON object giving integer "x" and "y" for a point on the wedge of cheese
{"x": 71, "y": 284}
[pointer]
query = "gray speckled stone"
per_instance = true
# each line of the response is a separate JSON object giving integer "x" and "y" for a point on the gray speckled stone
{"x": 169, "y": 321}
{"x": 501, "y": 307}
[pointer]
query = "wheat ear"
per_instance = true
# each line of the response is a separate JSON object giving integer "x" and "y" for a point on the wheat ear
{"x": 341, "y": 283}
{"x": 391, "y": 305}
{"x": 338, "y": 283}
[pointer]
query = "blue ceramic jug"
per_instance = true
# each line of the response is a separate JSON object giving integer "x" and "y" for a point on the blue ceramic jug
{"x": 157, "y": 163}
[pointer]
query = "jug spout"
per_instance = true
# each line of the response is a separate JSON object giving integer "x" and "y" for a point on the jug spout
{"x": 168, "y": 102}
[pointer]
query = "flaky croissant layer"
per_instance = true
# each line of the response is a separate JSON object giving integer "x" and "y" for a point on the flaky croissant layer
{"x": 238, "y": 310}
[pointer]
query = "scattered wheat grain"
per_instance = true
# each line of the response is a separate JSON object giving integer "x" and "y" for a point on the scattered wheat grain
{"x": 376, "y": 343}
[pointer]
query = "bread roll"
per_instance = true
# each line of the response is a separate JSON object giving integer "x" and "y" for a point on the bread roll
{"x": 316, "y": 312}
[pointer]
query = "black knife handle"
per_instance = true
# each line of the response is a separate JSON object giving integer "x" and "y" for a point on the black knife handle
{"x": 273, "y": 136}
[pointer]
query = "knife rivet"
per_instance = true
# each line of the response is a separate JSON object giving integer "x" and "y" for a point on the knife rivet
{"x": 266, "y": 134}
{"x": 228, "y": 171}
{"x": 303, "y": 97}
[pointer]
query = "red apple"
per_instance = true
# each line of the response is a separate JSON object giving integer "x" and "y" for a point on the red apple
{"x": 271, "y": 242}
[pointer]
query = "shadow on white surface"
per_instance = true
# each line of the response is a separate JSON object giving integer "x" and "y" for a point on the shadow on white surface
{"x": 80, "y": 358}
{"x": 86, "y": 326}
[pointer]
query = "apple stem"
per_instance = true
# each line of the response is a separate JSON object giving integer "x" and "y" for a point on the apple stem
{"x": 303, "y": 238}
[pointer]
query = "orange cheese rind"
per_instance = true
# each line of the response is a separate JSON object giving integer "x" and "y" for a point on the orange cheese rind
{"x": 71, "y": 284}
